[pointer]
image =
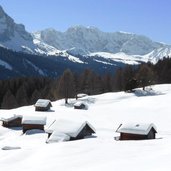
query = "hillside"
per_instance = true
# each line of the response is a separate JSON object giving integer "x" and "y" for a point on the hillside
{"x": 105, "y": 113}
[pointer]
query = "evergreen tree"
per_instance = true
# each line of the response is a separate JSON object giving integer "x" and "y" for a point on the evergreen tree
{"x": 35, "y": 96}
{"x": 118, "y": 80}
{"x": 145, "y": 76}
{"x": 9, "y": 101}
{"x": 21, "y": 96}
{"x": 66, "y": 88}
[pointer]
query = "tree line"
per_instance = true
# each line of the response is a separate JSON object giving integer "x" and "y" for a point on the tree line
{"x": 26, "y": 91}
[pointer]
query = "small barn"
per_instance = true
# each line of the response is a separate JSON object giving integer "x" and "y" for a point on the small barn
{"x": 137, "y": 131}
{"x": 14, "y": 121}
{"x": 80, "y": 105}
{"x": 33, "y": 122}
{"x": 43, "y": 105}
{"x": 65, "y": 130}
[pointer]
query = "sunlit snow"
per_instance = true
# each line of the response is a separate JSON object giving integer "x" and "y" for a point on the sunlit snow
{"x": 30, "y": 152}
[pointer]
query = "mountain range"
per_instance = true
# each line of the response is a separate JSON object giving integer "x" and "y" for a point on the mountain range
{"x": 79, "y": 45}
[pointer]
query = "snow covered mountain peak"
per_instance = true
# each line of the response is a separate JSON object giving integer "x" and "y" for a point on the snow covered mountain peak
{"x": 82, "y": 28}
{"x": 90, "y": 39}
{"x": 80, "y": 40}
{"x": 12, "y": 35}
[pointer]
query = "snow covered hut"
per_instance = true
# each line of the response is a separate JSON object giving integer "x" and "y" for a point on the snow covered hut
{"x": 65, "y": 130}
{"x": 33, "y": 122}
{"x": 14, "y": 121}
{"x": 137, "y": 131}
{"x": 80, "y": 105}
{"x": 81, "y": 95}
{"x": 43, "y": 105}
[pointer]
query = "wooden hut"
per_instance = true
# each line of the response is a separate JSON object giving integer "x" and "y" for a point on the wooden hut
{"x": 137, "y": 131}
{"x": 80, "y": 105}
{"x": 65, "y": 130}
{"x": 80, "y": 95}
{"x": 14, "y": 121}
{"x": 43, "y": 105}
{"x": 33, "y": 122}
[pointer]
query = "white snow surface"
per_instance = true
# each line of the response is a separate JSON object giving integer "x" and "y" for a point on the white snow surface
{"x": 101, "y": 153}
{"x": 120, "y": 57}
{"x": 136, "y": 128}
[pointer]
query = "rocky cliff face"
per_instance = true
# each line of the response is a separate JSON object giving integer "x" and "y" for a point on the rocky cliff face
{"x": 89, "y": 39}
{"x": 12, "y": 35}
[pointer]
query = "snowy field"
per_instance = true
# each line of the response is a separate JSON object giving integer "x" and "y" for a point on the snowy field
{"x": 101, "y": 152}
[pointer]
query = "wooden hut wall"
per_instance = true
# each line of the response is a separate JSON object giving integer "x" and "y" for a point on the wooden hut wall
{"x": 126, "y": 136}
{"x": 38, "y": 108}
{"x": 82, "y": 106}
{"x": 13, "y": 123}
{"x": 27, "y": 127}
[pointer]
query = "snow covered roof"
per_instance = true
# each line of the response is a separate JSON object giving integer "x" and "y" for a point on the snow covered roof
{"x": 79, "y": 103}
{"x": 80, "y": 95}
{"x": 42, "y": 103}
{"x": 136, "y": 128}
{"x": 11, "y": 118}
{"x": 39, "y": 120}
{"x": 58, "y": 137}
{"x": 68, "y": 127}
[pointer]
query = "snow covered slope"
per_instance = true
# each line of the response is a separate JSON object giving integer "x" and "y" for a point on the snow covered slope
{"x": 121, "y": 57}
{"x": 157, "y": 54}
{"x": 45, "y": 49}
{"x": 106, "y": 112}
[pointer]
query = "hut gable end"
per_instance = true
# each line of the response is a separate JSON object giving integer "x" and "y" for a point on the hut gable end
{"x": 85, "y": 131}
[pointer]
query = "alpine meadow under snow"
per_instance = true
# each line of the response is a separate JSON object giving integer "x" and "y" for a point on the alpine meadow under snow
{"x": 30, "y": 152}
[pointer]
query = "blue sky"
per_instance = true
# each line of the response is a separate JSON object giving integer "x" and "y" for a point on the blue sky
{"x": 147, "y": 17}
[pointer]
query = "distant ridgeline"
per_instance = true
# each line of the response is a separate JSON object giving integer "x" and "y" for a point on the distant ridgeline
{"x": 26, "y": 90}
{"x": 17, "y": 64}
